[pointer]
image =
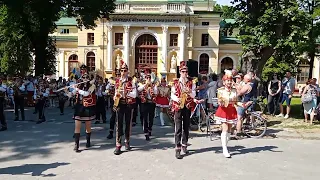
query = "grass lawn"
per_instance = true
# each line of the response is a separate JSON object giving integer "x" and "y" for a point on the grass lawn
{"x": 296, "y": 118}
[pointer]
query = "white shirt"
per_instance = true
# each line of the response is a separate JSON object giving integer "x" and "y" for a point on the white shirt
{"x": 173, "y": 90}
{"x": 133, "y": 93}
{"x": 155, "y": 90}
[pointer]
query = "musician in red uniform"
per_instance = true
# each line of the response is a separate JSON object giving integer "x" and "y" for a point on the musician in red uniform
{"x": 148, "y": 93}
{"x": 124, "y": 99}
{"x": 183, "y": 93}
{"x": 84, "y": 108}
{"x": 110, "y": 90}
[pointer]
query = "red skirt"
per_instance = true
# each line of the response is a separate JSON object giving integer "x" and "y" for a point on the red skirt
{"x": 162, "y": 102}
{"x": 226, "y": 114}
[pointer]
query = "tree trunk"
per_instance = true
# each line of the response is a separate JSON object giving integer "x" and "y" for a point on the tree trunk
{"x": 256, "y": 64}
{"x": 40, "y": 57}
{"x": 311, "y": 63}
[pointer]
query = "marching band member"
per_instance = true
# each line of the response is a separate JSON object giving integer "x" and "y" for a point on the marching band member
{"x": 40, "y": 95}
{"x": 62, "y": 97}
{"x": 124, "y": 99}
{"x": 183, "y": 93}
{"x": 3, "y": 89}
{"x": 101, "y": 102}
{"x": 110, "y": 90}
{"x": 147, "y": 93}
{"x": 30, "y": 86}
{"x": 226, "y": 113}
{"x": 19, "y": 90}
{"x": 52, "y": 90}
{"x": 84, "y": 108}
{"x": 162, "y": 100}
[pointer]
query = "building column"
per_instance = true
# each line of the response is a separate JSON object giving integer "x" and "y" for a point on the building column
{"x": 61, "y": 63}
{"x": 126, "y": 45}
{"x": 164, "y": 57}
{"x": 66, "y": 68}
{"x": 109, "y": 49}
{"x": 182, "y": 43}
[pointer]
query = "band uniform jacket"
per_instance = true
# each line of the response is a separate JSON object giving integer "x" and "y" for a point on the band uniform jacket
{"x": 127, "y": 90}
{"x": 147, "y": 92}
{"x": 177, "y": 90}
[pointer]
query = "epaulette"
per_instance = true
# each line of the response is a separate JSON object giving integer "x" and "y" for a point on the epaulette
{"x": 222, "y": 88}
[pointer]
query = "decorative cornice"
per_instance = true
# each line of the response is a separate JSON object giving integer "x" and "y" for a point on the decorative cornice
{"x": 164, "y": 29}
{"x": 182, "y": 29}
{"x": 126, "y": 29}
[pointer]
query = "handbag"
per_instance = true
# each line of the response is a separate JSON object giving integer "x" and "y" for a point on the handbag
{"x": 306, "y": 98}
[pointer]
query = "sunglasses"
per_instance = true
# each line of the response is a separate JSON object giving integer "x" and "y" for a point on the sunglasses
{"x": 148, "y": 77}
{"x": 123, "y": 70}
{"x": 184, "y": 71}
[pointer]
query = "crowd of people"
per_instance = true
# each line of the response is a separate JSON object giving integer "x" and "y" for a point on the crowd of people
{"x": 90, "y": 95}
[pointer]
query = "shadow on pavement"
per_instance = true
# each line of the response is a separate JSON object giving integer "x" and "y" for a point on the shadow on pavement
{"x": 34, "y": 169}
{"x": 234, "y": 150}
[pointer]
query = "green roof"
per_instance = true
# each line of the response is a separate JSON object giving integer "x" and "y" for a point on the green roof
{"x": 66, "y": 38}
{"x": 225, "y": 23}
{"x": 229, "y": 40}
{"x": 67, "y": 22}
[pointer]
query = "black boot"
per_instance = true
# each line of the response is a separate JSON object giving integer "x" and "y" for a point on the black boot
{"x": 178, "y": 154}
{"x": 76, "y": 141}
{"x": 117, "y": 151}
{"x": 147, "y": 138}
{"x": 88, "y": 140}
{"x": 110, "y": 136}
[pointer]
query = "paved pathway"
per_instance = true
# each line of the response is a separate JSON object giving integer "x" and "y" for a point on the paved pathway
{"x": 30, "y": 151}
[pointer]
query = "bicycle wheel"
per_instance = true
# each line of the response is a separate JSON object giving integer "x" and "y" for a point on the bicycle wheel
{"x": 255, "y": 125}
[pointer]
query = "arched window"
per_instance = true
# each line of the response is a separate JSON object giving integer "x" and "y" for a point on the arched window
{"x": 226, "y": 63}
{"x": 204, "y": 64}
{"x": 91, "y": 61}
{"x": 303, "y": 71}
{"x": 73, "y": 62}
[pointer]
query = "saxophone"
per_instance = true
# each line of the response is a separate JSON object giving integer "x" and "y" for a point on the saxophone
{"x": 118, "y": 96}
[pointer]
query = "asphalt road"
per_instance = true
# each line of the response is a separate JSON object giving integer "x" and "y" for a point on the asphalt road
{"x": 31, "y": 151}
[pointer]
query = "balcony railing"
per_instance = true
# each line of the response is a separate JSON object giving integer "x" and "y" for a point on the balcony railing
{"x": 151, "y": 8}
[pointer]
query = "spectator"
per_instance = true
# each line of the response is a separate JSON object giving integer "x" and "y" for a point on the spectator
{"x": 309, "y": 108}
{"x": 288, "y": 85}
{"x": 212, "y": 90}
{"x": 274, "y": 89}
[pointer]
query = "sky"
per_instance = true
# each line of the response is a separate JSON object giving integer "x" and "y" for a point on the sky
{"x": 224, "y": 2}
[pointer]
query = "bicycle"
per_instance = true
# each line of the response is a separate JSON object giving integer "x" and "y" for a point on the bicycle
{"x": 253, "y": 121}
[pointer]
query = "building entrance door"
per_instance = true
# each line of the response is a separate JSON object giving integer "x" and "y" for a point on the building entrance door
{"x": 146, "y": 53}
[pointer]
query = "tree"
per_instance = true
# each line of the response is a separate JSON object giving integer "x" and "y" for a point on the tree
{"x": 268, "y": 27}
{"x": 38, "y": 19}
{"x": 15, "y": 46}
{"x": 312, "y": 9}
{"x": 227, "y": 11}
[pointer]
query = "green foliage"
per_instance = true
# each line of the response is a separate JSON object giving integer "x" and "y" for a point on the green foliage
{"x": 14, "y": 45}
{"x": 228, "y": 11}
{"x": 279, "y": 66}
{"x": 270, "y": 27}
{"x": 37, "y": 20}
